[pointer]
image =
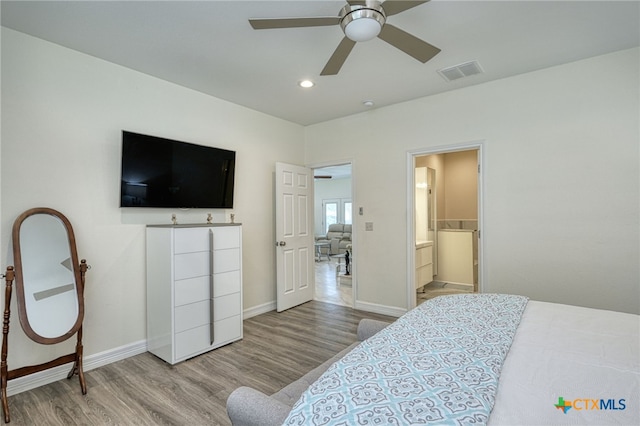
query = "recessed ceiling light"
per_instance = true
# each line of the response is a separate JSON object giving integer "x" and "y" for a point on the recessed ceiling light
{"x": 368, "y": 104}
{"x": 306, "y": 84}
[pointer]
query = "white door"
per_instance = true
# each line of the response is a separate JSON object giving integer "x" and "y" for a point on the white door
{"x": 295, "y": 258}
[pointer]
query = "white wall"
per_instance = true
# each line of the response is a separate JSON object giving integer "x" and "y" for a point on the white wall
{"x": 62, "y": 114}
{"x": 561, "y": 177}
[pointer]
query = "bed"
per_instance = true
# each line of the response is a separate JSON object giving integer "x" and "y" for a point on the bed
{"x": 480, "y": 359}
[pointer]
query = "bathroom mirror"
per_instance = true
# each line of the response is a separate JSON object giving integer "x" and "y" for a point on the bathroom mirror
{"x": 50, "y": 290}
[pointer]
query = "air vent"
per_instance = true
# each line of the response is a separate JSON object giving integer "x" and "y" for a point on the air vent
{"x": 461, "y": 70}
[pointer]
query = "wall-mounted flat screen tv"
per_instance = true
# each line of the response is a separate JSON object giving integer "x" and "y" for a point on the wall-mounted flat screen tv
{"x": 159, "y": 172}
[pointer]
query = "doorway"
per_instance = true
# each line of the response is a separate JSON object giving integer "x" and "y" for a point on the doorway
{"x": 333, "y": 218}
{"x": 445, "y": 200}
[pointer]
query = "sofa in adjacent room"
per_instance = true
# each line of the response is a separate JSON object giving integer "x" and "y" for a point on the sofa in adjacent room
{"x": 338, "y": 236}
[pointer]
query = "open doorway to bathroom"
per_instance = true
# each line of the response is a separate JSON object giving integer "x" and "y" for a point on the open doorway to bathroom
{"x": 333, "y": 213}
{"x": 446, "y": 212}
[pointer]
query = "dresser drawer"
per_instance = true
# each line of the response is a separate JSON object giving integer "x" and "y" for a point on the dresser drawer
{"x": 196, "y": 289}
{"x": 226, "y": 283}
{"x": 192, "y": 290}
{"x": 227, "y": 330}
{"x": 189, "y": 240}
{"x": 192, "y": 342}
{"x": 192, "y": 315}
{"x": 191, "y": 265}
{"x": 197, "y": 340}
{"x": 226, "y": 260}
{"x": 197, "y": 314}
{"x": 226, "y": 237}
{"x": 226, "y": 306}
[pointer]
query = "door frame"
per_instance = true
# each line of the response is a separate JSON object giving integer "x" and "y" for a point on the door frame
{"x": 478, "y": 145}
{"x": 354, "y": 227}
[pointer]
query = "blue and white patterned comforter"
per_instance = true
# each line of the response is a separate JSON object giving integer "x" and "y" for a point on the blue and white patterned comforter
{"x": 440, "y": 363}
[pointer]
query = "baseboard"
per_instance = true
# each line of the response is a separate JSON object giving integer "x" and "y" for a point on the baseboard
{"x": 90, "y": 362}
{"x": 392, "y": 311}
{"x": 459, "y": 286}
{"x": 260, "y": 309}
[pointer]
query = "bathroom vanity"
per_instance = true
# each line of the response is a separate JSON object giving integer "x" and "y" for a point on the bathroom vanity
{"x": 424, "y": 263}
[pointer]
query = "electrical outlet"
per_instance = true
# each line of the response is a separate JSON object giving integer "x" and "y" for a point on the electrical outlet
{"x": 368, "y": 226}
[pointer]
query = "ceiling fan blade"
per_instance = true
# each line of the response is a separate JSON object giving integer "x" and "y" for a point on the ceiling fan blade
{"x": 393, "y": 7}
{"x": 339, "y": 56}
{"x": 409, "y": 44}
{"x": 269, "y": 23}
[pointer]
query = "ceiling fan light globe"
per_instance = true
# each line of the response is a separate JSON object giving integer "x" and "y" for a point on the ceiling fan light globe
{"x": 363, "y": 29}
{"x": 362, "y": 24}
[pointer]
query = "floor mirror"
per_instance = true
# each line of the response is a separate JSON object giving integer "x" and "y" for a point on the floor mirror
{"x": 49, "y": 286}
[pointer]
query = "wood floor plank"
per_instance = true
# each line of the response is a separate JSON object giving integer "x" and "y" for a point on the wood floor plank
{"x": 277, "y": 349}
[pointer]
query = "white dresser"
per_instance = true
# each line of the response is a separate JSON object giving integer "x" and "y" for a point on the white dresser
{"x": 194, "y": 289}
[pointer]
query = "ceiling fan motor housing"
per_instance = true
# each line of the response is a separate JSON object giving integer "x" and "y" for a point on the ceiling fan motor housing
{"x": 362, "y": 22}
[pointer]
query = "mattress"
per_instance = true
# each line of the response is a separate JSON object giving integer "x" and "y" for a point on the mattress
{"x": 570, "y": 365}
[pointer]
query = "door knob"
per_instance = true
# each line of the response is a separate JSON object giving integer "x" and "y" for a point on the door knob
{"x": 281, "y": 243}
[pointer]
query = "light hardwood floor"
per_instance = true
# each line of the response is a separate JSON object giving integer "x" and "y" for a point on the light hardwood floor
{"x": 328, "y": 287}
{"x": 438, "y": 288}
{"x": 277, "y": 349}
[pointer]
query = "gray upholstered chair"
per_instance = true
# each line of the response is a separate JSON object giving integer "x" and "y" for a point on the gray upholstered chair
{"x": 338, "y": 236}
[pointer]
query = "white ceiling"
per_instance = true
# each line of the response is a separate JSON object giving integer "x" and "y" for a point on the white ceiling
{"x": 209, "y": 46}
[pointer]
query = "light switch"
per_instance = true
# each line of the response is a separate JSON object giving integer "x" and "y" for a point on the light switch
{"x": 368, "y": 226}
{"x": 361, "y": 211}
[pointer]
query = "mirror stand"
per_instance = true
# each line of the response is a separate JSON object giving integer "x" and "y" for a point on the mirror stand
{"x": 49, "y": 285}
{"x": 6, "y": 374}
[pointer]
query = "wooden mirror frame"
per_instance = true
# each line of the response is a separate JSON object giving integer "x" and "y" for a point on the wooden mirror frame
{"x": 20, "y": 285}
{"x": 79, "y": 270}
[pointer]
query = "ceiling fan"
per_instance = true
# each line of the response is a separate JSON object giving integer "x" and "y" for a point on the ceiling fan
{"x": 360, "y": 21}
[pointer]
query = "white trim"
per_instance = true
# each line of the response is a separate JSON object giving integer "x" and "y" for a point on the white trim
{"x": 258, "y": 310}
{"x": 392, "y": 311}
{"x": 411, "y": 155}
{"x": 89, "y": 363}
{"x": 411, "y": 231}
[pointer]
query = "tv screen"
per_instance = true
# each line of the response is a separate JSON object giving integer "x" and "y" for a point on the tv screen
{"x": 159, "y": 172}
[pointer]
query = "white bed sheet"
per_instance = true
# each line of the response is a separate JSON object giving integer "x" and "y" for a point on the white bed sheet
{"x": 575, "y": 353}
